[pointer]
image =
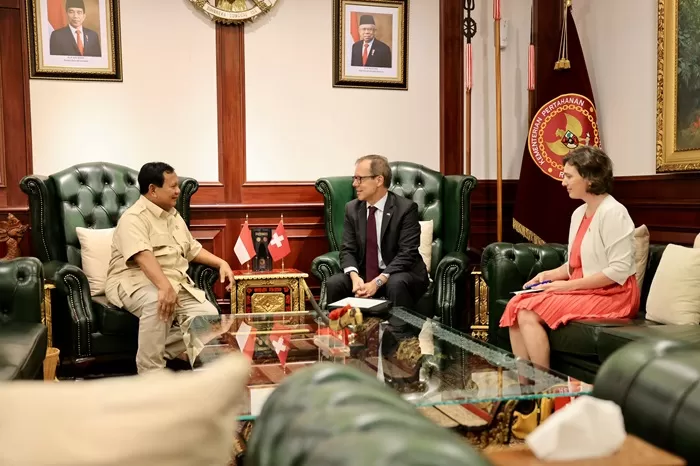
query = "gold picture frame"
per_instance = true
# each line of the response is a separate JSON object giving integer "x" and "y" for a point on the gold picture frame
{"x": 370, "y": 44}
{"x": 57, "y": 51}
{"x": 677, "y": 119}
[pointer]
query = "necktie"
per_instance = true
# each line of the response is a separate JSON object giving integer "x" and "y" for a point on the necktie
{"x": 372, "y": 250}
{"x": 79, "y": 40}
{"x": 364, "y": 54}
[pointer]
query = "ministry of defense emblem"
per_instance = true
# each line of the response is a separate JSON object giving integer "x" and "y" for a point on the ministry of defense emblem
{"x": 560, "y": 126}
{"x": 234, "y": 11}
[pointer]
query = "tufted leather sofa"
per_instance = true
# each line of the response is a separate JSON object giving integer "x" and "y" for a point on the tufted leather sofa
{"x": 331, "y": 414}
{"x": 92, "y": 195}
{"x": 23, "y": 338}
{"x": 442, "y": 199}
{"x": 656, "y": 383}
{"x": 579, "y": 347}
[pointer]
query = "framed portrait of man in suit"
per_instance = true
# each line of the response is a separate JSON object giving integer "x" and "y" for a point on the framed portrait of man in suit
{"x": 370, "y": 44}
{"x": 74, "y": 39}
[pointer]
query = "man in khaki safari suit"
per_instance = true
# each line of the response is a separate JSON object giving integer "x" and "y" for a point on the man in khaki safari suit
{"x": 147, "y": 275}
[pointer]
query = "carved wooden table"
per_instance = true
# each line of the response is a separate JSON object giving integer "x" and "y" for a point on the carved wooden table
{"x": 273, "y": 291}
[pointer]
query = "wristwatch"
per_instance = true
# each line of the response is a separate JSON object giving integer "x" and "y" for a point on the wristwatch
{"x": 379, "y": 282}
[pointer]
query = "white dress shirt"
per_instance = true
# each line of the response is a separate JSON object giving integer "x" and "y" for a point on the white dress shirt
{"x": 378, "y": 215}
{"x": 369, "y": 51}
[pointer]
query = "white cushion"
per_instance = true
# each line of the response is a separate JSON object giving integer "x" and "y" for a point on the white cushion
{"x": 674, "y": 296}
{"x": 696, "y": 244}
{"x": 95, "y": 253}
{"x": 641, "y": 254}
{"x": 426, "y": 242}
{"x": 165, "y": 418}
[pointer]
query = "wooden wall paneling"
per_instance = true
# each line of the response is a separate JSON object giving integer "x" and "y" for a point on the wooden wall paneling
{"x": 669, "y": 205}
{"x": 15, "y": 142}
{"x": 280, "y": 192}
{"x": 451, "y": 87}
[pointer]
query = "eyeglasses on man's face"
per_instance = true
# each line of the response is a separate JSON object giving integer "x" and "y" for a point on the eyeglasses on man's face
{"x": 360, "y": 179}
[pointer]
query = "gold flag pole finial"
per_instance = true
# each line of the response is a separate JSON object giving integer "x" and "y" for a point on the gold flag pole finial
{"x": 563, "y": 62}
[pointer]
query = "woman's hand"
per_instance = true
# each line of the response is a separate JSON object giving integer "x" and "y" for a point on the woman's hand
{"x": 537, "y": 279}
{"x": 559, "y": 285}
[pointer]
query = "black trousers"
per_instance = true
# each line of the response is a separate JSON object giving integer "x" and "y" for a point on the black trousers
{"x": 403, "y": 289}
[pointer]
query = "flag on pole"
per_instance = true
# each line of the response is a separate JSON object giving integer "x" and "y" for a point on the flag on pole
{"x": 279, "y": 244}
{"x": 565, "y": 118}
{"x": 354, "y": 26}
{"x": 244, "y": 248}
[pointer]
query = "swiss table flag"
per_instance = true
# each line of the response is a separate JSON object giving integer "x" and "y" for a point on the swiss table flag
{"x": 280, "y": 340}
{"x": 279, "y": 244}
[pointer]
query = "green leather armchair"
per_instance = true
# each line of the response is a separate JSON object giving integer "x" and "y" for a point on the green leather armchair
{"x": 331, "y": 414}
{"x": 444, "y": 199}
{"x": 92, "y": 195}
{"x": 23, "y": 338}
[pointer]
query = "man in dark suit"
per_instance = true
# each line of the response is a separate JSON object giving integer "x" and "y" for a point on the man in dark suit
{"x": 74, "y": 39}
{"x": 381, "y": 234}
{"x": 370, "y": 51}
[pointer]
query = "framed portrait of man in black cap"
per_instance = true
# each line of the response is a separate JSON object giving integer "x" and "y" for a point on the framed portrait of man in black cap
{"x": 74, "y": 39}
{"x": 370, "y": 44}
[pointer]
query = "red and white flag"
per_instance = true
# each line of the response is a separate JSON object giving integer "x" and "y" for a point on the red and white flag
{"x": 280, "y": 340}
{"x": 245, "y": 337}
{"x": 279, "y": 244}
{"x": 244, "y": 248}
{"x": 56, "y": 14}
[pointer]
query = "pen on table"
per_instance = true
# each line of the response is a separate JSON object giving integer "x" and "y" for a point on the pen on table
{"x": 538, "y": 284}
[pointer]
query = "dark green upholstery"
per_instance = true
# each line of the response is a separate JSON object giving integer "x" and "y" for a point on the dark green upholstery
{"x": 90, "y": 195}
{"x": 23, "y": 338}
{"x": 335, "y": 415}
{"x": 579, "y": 347}
{"x": 656, "y": 383}
{"x": 442, "y": 199}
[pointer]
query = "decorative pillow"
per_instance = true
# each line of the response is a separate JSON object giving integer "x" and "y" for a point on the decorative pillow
{"x": 641, "y": 255}
{"x": 95, "y": 253}
{"x": 674, "y": 296}
{"x": 166, "y": 418}
{"x": 696, "y": 244}
{"x": 426, "y": 242}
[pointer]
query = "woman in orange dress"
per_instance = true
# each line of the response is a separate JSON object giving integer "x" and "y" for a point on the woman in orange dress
{"x": 598, "y": 281}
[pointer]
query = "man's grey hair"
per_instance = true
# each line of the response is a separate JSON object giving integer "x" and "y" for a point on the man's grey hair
{"x": 379, "y": 165}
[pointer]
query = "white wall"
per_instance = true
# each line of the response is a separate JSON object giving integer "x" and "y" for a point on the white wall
{"x": 513, "y": 89}
{"x": 164, "y": 110}
{"x": 619, "y": 43}
{"x": 300, "y": 128}
{"x": 618, "y": 38}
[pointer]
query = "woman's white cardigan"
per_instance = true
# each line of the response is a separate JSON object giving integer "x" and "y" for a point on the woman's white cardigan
{"x": 608, "y": 245}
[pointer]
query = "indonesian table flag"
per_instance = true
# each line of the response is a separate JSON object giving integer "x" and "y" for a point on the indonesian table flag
{"x": 244, "y": 248}
{"x": 280, "y": 340}
{"x": 279, "y": 244}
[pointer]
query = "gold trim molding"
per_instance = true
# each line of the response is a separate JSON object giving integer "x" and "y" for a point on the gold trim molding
{"x": 668, "y": 157}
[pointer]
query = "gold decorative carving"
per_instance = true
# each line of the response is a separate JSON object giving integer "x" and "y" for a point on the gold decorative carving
{"x": 290, "y": 280}
{"x": 234, "y": 11}
{"x": 480, "y": 327}
{"x": 498, "y": 430}
{"x": 11, "y": 232}
{"x": 267, "y": 302}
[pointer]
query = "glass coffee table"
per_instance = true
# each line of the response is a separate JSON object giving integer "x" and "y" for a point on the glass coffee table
{"x": 452, "y": 378}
